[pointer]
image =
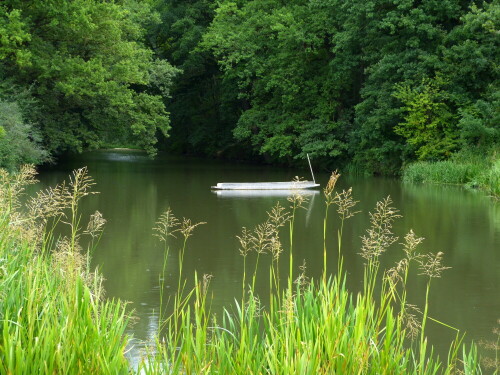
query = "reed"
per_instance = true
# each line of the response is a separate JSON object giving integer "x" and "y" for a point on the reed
{"x": 53, "y": 314}
{"x": 489, "y": 180}
{"x": 55, "y": 319}
{"x": 472, "y": 171}
{"x": 314, "y": 327}
{"x": 441, "y": 172}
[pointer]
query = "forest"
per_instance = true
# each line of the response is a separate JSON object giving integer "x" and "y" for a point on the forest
{"x": 368, "y": 86}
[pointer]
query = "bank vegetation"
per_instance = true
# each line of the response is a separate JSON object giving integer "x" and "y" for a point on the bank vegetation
{"x": 54, "y": 316}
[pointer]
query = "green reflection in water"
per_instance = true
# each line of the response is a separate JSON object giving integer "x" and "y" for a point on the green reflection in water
{"x": 135, "y": 190}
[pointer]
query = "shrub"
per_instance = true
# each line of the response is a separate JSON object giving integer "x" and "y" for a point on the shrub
{"x": 20, "y": 143}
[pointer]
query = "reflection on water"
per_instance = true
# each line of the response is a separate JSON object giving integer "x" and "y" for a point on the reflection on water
{"x": 124, "y": 155}
{"x": 136, "y": 190}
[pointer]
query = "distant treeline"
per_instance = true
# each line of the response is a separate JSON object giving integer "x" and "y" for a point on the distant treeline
{"x": 368, "y": 85}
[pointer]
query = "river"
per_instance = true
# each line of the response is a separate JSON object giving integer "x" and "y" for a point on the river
{"x": 135, "y": 190}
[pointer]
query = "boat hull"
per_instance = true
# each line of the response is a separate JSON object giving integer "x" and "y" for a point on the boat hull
{"x": 265, "y": 185}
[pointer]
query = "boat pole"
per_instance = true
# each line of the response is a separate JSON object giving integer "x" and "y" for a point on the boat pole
{"x": 309, "y": 160}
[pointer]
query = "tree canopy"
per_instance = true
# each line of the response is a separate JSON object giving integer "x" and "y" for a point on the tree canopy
{"x": 370, "y": 84}
{"x": 88, "y": 67}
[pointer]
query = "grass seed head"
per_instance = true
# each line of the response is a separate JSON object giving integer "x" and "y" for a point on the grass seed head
{"x": 275, "y": 247}
{"x": 264, "y": 238}
{"x": 278, "y": 216}
{"x": 412, "y": 325}
{"x": 261, "y": 237}
{"x": 330, "y": 187}
{"x": 345, "y": 203}
{"x": 187, "y": 227}
{"x": 80, "y": 184}
{"x": 206, "y": 283}
{"x": 69, "y": 262}
{"x": 380, "y": 235}
{"x": 166, "y": 225}
{"x": 49, "y": 203}
{"x": 13, "y": 186}
{"x": 302, "y": 280}
{"x": 493, "y": 345}
{"x": 288, "y": 307}
{"x": 297, "y": 200}
{"x": 431, "y": 265}
{"x": 95, "y": 225}
{"x": 25, "y": 229}
{"x": 410, "y": 245}
{"x": 395, "y": 274}
{"x": 254, "y": 305}
{"x": 245, "y": 242}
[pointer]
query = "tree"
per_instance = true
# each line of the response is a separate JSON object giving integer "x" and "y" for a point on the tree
{"x": 280, "y": 54}
{"x": 471, "y": 53}
{"x": 19, "y": 141}
{"x": 204, "y": 106}
{"x": 428, "y": 126}
{"x": 90, "y": 71}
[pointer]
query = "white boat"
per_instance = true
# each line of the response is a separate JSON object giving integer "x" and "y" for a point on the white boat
{"x": 292, "y": 185}
{"x": 264, "y": 193}
{"x": 275, "y": 186}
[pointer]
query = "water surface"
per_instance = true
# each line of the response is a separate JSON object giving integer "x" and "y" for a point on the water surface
{"x": 135, "y": 190}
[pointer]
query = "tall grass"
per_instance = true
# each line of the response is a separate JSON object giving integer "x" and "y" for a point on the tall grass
{"x": 312, "y": 326}
{"x": 53, "y": 314}
{"x": 473, "y": 171}
{"x": 441, "y": 172}
{"x": 55, "y": 319}
{"x": 490, "y": 179}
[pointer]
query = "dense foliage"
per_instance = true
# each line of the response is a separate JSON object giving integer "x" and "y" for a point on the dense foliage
{"x": 19, "y": 141}
{"x": 86, "y": 65}
{"x": 204, "y": 107}
{"x": 368, "y": 84}
{"x": 374, "y": 82}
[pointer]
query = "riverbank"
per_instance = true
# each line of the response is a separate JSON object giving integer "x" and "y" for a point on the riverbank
{"x": 480, "y": 171}
{"x": 53, "y": 311}
{"x": 55, "y": 316}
